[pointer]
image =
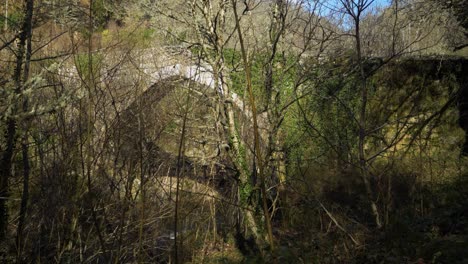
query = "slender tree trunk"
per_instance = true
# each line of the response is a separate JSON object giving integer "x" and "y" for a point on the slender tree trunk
{"x": 363, "y": 131}
{"x": 24, "y": 198}
{"x": 11, "y": 132}
{"x": 179, "y": 171}
{"x": 25, "y": 153}
{"x": 142, "y": 182}
{"x": 258, "y": 155}
{"x": 86, "y": 140}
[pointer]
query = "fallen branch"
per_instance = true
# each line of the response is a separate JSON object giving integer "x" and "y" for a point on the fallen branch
{"x": 338, "y": 225}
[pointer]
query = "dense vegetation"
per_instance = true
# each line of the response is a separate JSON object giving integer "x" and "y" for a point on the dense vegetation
{"x": 224, "y": 131}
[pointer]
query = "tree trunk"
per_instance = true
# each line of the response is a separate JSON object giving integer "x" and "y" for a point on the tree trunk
{"x": 25, "y": 152}
{"x": 257, "y": 151}
{"x": 363, "y": 131}
{"x": 11, "y": 132}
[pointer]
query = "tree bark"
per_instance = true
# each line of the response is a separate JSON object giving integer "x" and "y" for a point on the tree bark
{"x": 25, "y": 153}
{"x": 11, "y": 131}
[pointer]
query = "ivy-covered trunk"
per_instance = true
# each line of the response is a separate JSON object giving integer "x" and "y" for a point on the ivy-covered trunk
{"x": 210, "y": 37}
{"x": 239, "y": 157}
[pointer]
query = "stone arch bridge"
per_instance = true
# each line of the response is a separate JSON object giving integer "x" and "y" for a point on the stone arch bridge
{"x": 153, "y": 85}
{"x": 157, "y": 75}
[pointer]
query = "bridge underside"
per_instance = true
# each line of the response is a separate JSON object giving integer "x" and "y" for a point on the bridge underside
{"x": 152, "y": 126}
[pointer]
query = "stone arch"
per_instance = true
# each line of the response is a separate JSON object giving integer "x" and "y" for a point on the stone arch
{"x": 159, "y": 111}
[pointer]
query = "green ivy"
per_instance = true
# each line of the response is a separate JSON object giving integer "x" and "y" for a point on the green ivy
{"x": 83, "y": 64}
